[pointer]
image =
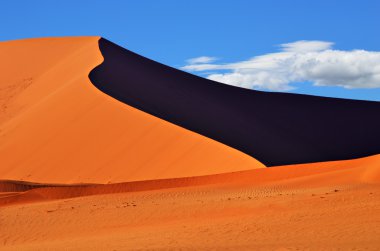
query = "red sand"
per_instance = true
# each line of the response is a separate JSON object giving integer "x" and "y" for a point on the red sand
{"x": 56, "y": 130}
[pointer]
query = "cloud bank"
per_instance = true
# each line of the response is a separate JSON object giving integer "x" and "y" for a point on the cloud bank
{"x": 300, "y": 61}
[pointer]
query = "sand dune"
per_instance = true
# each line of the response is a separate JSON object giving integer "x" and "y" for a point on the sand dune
{"x": 348, "y": 172}
{"x": 56, "y": 127}
{"x": 80, "y": 170}
{"x": 321, "y": 206}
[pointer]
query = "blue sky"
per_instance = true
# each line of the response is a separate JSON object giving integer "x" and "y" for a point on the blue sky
{"x": 172, "y": 31}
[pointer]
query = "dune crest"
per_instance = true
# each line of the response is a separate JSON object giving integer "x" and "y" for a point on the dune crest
{"x": 56, "y": 127}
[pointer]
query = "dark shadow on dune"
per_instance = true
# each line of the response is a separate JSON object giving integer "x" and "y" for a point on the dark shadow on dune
{"x": 275, "y": 128}
{"x": 22, "y": 186}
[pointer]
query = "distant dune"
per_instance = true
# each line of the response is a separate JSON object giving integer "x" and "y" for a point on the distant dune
{"x": 56, "y": 127}
{"x": 177, "y": 164}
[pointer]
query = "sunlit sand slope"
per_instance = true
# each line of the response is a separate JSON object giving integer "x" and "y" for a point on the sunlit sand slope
{"x": 56, "y": 127}
{"x": 348, "y": 172}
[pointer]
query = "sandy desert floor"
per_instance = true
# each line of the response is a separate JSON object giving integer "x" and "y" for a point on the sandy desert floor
{"x": 282, "y": 208}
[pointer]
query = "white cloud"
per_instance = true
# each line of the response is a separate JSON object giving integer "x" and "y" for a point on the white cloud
{"x": 301, "y": 61}
{"x": 201, "y": 60}
{"x": 306, "y": 46}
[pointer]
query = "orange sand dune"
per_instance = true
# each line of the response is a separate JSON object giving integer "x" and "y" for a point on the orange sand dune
{"x": 320, "y": 206}
{"x": 347, "y": 172}
{"x": 56, "y": 127}
{"x": 62, "y": 141}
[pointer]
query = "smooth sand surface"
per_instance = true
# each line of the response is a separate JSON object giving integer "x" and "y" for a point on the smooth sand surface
{"x": 320, "y": 206}
{"x": 56, "y": 127}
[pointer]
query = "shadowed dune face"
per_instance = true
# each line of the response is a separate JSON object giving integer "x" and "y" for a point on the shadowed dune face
{"x": 275, "y": 128}
{"x": 56, "y": 127}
